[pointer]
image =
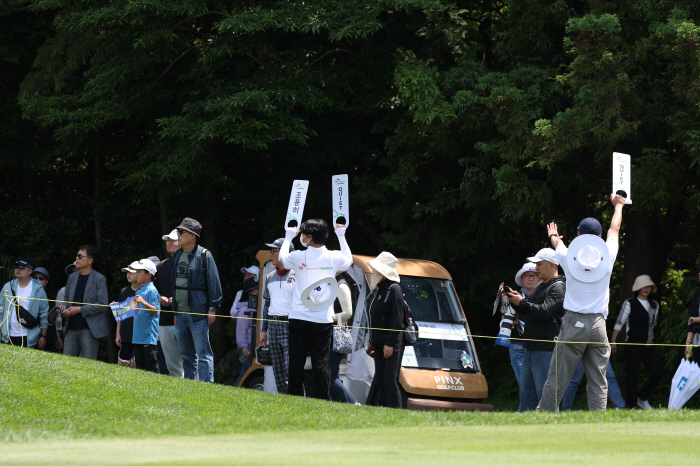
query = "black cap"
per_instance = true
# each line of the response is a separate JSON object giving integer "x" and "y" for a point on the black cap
{"x": 590, "y": 226}
{"x": 25, "y": 261}
{"x": 191, "y": 225}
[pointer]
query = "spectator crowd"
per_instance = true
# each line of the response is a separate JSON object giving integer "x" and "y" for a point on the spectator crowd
{"x": 177, "y": 299}
{"x": 559, "y": 333}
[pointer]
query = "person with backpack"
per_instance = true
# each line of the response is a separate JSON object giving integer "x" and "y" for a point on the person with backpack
{"x": 544, "y": 310}
{"x": 197, "y": 289}
{"x": 387, "y": 320}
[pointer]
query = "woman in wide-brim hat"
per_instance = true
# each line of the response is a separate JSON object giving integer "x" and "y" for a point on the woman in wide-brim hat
{"x": 639, "y": 316}
{"x": 386, "y": 338}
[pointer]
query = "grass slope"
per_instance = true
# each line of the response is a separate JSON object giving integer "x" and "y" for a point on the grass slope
{"x": 90, "y": 412}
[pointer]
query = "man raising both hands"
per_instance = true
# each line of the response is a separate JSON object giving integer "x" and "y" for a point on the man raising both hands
{"x": 312, "y": 331}
{"x": 588, "y": 263}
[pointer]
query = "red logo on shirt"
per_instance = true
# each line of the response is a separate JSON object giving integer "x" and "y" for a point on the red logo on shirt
{"x": 301, "y": 267}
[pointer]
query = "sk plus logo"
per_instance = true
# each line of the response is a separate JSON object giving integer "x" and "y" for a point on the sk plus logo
{"x": 301, "y": 267}
{"x": 299, "y": 186}
{"x": 619, "y": 157}
{"x": 681, "y": 384}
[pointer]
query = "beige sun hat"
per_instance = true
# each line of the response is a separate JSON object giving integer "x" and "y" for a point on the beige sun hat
{"x": 642, "y": 281}
{"x": 385, "y": 263}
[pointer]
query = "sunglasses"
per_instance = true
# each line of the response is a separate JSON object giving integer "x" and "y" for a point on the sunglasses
{"x": 41, "y": 278}
{"x": 181, "y": 232}
{"x": 274, "y": 251}
{"x": 80, "y": 256}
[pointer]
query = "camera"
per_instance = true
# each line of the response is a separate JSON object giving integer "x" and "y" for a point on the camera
{"x": 508, "y": 312}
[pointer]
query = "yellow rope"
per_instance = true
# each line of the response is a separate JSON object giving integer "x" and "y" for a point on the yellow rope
{"x": 380, "y": 329}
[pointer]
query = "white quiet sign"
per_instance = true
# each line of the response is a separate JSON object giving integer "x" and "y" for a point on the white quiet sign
{"x": 341, "y": 199}
{"x": 622, "y": 175}
{"x": 296, "y": 202}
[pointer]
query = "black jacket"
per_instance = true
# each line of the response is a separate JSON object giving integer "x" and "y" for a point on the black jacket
{"x": 542, "y": 308}
{"x": 163, "y": 282}
{"x": 694, "y": 311}
{"x": 386, "y": 311}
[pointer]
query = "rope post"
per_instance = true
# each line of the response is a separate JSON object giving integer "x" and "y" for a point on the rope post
{"x": 556, "y": 373}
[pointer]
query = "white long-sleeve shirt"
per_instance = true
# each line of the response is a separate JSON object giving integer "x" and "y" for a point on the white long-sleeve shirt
{"x": 310, "y": 266}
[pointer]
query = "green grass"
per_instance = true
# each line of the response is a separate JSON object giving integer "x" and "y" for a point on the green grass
{"x": 82, "y": 411}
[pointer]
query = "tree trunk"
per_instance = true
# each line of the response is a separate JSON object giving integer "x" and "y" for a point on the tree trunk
{"x": 98, "y": 167}
{"x": 164, "y": 222}
{"x": 648, "y": 242}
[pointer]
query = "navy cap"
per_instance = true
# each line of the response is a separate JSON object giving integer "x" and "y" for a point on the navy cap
{"x": 590, "y": 226}
{"x": 278, "y": 244}
{"x": 25, "y": 261}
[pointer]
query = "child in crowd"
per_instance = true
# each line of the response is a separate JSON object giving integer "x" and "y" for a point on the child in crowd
{"x": 145, "y": 337}
{"x": 125, "y": 328}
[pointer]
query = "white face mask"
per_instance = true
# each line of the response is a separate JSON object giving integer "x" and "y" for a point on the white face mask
{"x": 306, "y": 245}
{"x": 374, "y": 279}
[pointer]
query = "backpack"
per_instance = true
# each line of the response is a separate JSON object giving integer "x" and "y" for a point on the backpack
{"x": 410, "y": 333}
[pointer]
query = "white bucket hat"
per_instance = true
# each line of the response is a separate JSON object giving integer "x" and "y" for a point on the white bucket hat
{"x": 320, "y": 295}
{"x": 588, "y": 258}
{"x": 529, "y": 267}
{"x": 642, "y": 281}
{"x": 385, "y": 263}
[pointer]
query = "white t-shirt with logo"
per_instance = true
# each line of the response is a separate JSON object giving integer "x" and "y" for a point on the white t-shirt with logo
{"x": 588, "y": 298}
{"x": 17, "y": 330}
{"x": 310, "y": 266}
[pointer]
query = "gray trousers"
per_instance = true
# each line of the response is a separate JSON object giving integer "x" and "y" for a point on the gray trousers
{"x": 589, "y": 328}
{"x": 168, "y": 341}
{"x": 77, "y": 341}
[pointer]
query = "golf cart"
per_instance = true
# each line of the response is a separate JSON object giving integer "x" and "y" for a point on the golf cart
{"x": 441, "y": 372}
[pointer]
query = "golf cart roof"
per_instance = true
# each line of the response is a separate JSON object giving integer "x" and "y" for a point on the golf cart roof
{"x": 409, "y": 267}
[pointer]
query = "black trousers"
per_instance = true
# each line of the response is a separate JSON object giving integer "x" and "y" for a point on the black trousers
{"x": 386, "y": 378}
{"x": 146, "y": 357}
{"x": 18, "y": 341}
{"x": 314, "y": 339}
{"x": 633, "y": 356}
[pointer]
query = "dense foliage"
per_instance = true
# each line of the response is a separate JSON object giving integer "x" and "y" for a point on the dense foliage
{"x": 464, "y": 127}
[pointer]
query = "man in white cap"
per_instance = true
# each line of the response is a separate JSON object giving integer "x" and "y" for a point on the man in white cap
{"x": 244, "y": 310}
{"x": 588, "y": 265}
{"x": 544, "y": 310}
{"x": 166, "y": 325}
{"x": 311, "y": 319}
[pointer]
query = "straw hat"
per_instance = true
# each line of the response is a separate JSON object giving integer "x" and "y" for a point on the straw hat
{"x": 320, "y": 295}
{"x": 385, "y": 263}
{"x": 588, "y": 258}
{"x": 529, "y": 267}
{"x": 642, "y": 281}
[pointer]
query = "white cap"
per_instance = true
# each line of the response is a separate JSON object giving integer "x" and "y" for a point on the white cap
{"x": 144, "y": 264}
{"x": 131, "y": 267}
{"x": 546, "y": 254}
{"x": 254, "y": 269}
{"x": 172, "y": 235}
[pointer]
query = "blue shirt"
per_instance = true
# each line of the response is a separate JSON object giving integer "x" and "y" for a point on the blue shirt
{"x": 145, "y": 323}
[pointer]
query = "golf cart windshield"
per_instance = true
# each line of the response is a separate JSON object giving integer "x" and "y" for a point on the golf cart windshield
{"x": 443, "y": 338}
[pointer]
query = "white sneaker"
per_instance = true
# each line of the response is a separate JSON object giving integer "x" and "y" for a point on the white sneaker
{"x": 643, "y": 404}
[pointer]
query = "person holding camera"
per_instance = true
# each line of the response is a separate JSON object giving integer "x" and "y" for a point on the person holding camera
{"x": 544, "y": 310}
{"x": 527, "y": 279}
